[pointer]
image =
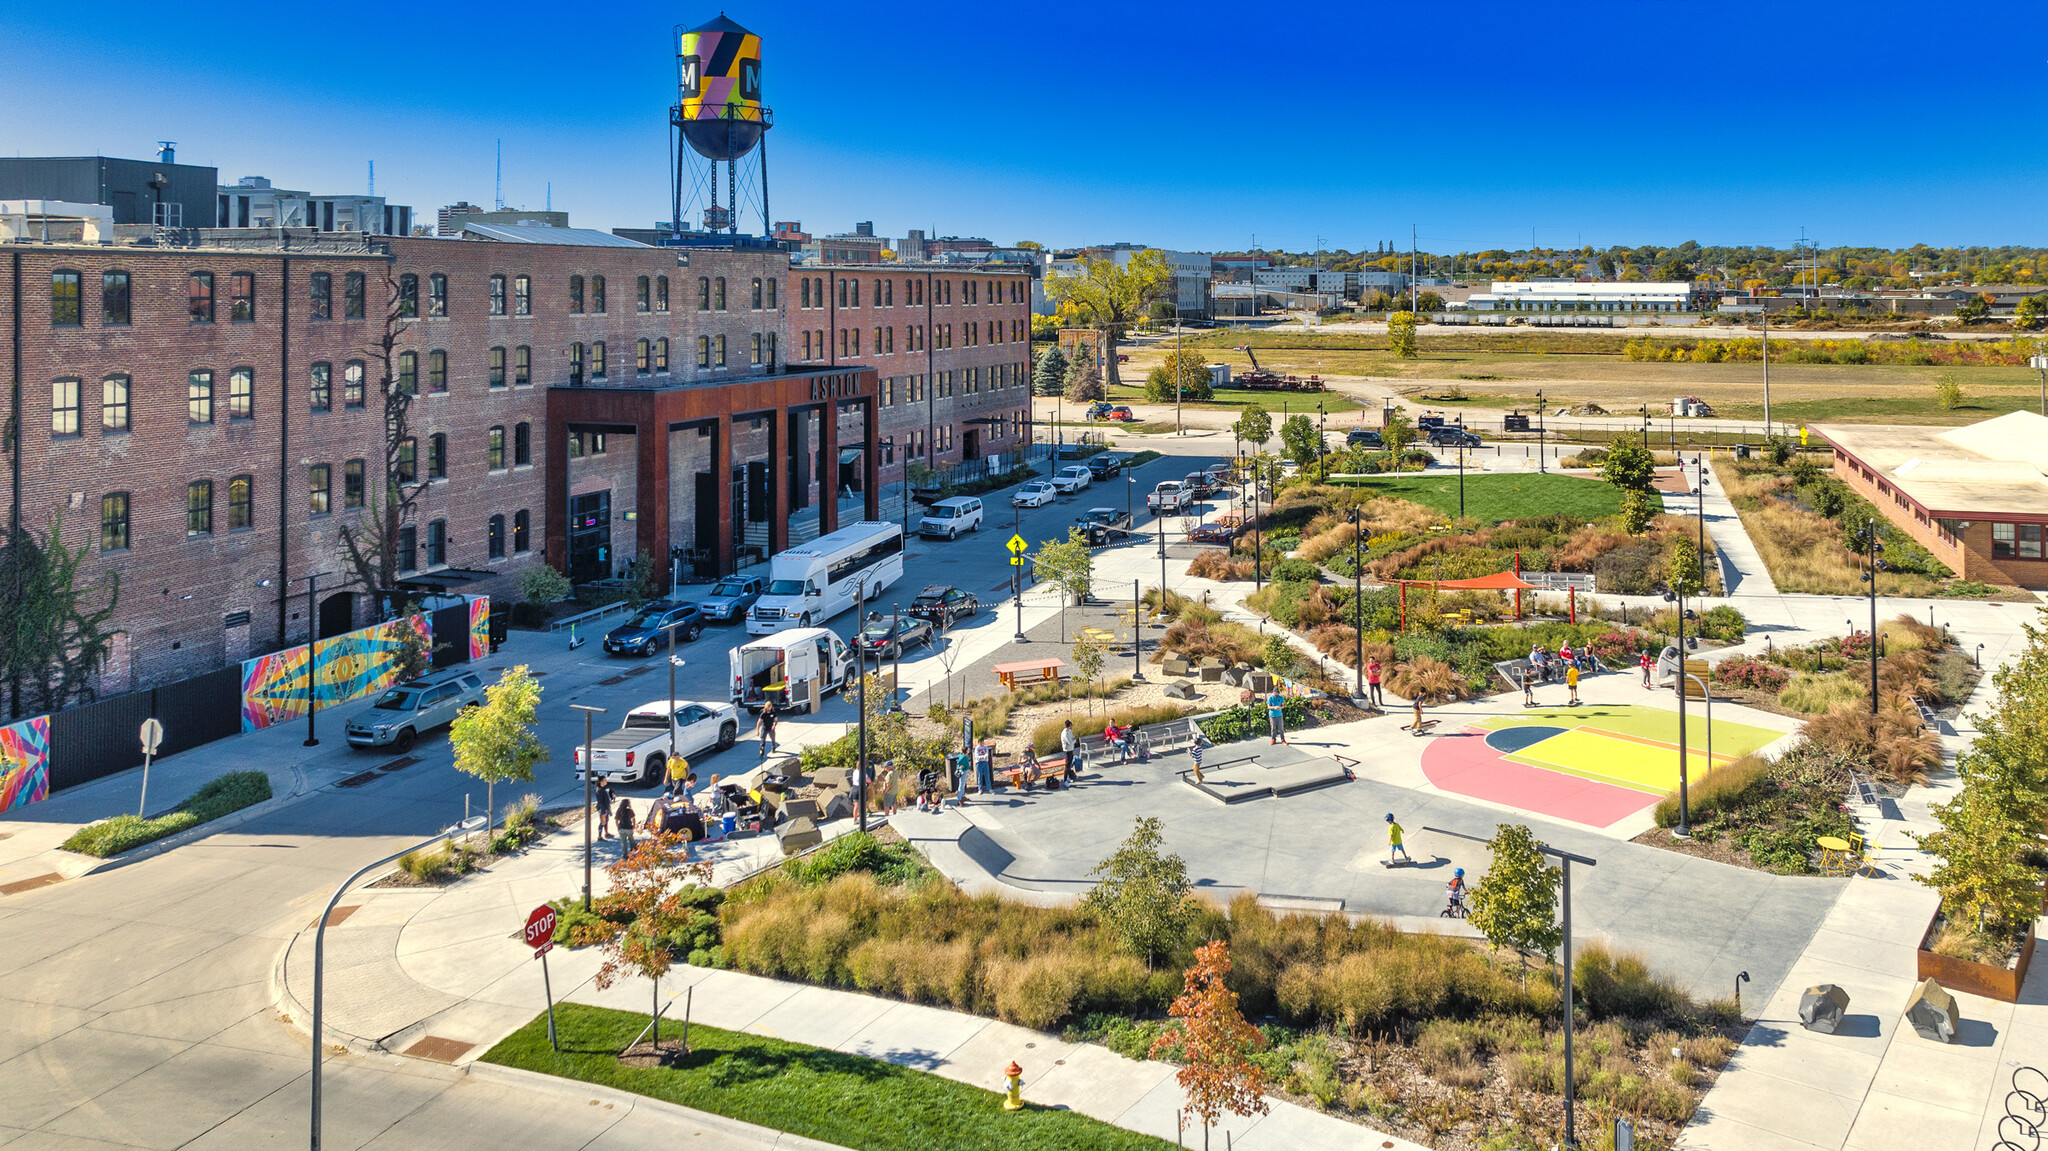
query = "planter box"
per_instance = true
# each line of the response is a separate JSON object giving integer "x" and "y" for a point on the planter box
{"x": 1983, "y": 979}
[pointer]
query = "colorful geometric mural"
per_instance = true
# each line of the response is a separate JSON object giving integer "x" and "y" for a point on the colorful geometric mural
{"x": 24, "y": 762}
{"x": 479, "y": 627}
{"x": 351, "y": 666}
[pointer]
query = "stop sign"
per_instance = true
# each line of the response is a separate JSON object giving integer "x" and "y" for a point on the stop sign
{"x": 540, "y": 930}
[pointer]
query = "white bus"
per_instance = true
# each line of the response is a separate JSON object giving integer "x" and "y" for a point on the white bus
{"x": 810, "y": 584}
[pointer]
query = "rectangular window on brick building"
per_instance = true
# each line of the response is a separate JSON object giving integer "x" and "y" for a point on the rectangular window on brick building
{"x": 522, "y": 296}
{"x": 754, "y": 355}
{"x": 242, "y": 297}
{"x": 437, "y": 295}
{"x": 643, "y": 295}
{"x": 703, "y": 351}
{"x": 65, "y": 310}
{"x": 661, "y": 293}
{"x": 408, "y": 548}
{"x": 771, "y": 294}
{"x": 116, "y": 300}
{"x": 718, "y": 294}
{"x": 497, "y": 376}
{"x": 703, "y": 293}
{"x": 409, "y": 373}
{"x": 321, "y": 306}
{"x": 437, "y": 371}
{"x": 241, "y": 503}
{"x": 114, "y": 404}
{"x": 497, "y": 295}
{"x": 643, "y": 357}
{"x": 597, "y": 294}
{"x": 661, "y": 355}
{"x": 437, "y": 456}
{"x": 522, "y": 366}
{"x": 495, "y": 453}
{"x": 64, "y": 404}
{"x": 199, "y": 508}
{"x": 352, "y": 484}
{"x": 353, "y": 301}
{"x": 495, "y": 537}
{"x": 755, "y": 300}
{"x": 407, "y": 461}
{"x": 522, "y": 445}
{"x": 199, "y": 297}
{"x": 2030, "y": 541}
{"x": 718, "y": 348}
{"x": 437, "y": 543}
{"x": 575, "y": 294}
{"x": 408, "y": 296}
{"x": 242, "y": 394}
{"x": 114, "y": 522}
{"x": 598, "y": 366}
{"x": 520, "y": 528}
{"x": 352, "y": 384}
{"x": 199, "y": 397}
{"x": 319, "y": 489}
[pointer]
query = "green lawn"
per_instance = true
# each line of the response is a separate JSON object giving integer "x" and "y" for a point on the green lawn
{"x": 843, "y": 1099}
{"x": 1492, "y": 498}
{"x": 1281, "y": 404}
{"x": 1912, "y": 408}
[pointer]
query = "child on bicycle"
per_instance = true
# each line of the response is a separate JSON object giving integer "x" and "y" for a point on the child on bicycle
{"x": 1457, "y": 906}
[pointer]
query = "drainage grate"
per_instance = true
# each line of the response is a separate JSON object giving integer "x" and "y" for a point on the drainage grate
{"x": 613, "y": 680}
{"x": 30, "y": 884}
{"x": 438, "y": 1049}
{"x": 358, "y": 779}
{"x": 340, "y": 915}
{"x": 399, "y": 764}
{"x": 643, "y": 669}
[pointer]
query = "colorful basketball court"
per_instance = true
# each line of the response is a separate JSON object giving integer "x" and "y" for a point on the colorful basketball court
{"x": 1594, "y": 765}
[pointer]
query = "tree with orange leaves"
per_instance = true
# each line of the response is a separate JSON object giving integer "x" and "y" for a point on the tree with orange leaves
{"x": 1215, "y": 1040}
{"x": 648, "y": 883}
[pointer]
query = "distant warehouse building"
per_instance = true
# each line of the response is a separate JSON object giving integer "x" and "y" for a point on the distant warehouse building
{"x": 1532, "y": 297}
{"x": 1975, "y": 496}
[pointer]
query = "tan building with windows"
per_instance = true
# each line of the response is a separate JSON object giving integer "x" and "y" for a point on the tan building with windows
{"x": 1975, "y": 496}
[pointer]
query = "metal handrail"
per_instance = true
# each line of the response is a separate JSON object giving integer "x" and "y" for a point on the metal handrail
{"x": 585, "y": 617}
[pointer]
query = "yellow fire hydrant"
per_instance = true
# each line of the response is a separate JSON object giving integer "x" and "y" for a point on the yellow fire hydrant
{"x": 1014, "y": 1101}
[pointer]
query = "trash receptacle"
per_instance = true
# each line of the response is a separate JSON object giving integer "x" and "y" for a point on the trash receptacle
{"x": 1741, "y": 451}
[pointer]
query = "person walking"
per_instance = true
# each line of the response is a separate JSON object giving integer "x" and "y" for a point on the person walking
{"x": 764, "y": 729}
{"x": 1571, "y": 680}
{"x": 1195, "y": 752}
{"x": 602, "y": 799}
{"x": 1372, "y": 682}
{"x": 624, "y": 818}
{"x": 885, "y": 787}
{"x": 678, "y": 778}
{"x": 1276, "y": 717}
{"x": 1528, "y": 688}
{"x": 1071, "y": 745}
{"x": 985, "y": 766}
{"x": 1644, "y": 662}
{"x": 960, "y": 779}
{"x": 1394, "y": 844}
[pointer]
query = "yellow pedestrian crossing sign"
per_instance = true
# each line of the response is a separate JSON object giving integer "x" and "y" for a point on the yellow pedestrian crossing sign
{"x": 1802, "y": 435}
{"x": 1017, "y": 546}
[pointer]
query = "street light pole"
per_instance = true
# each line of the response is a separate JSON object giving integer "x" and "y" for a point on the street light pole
{"x": 1870, "y": 577}
{"x": 1684, "y": 829}
{"x": 1137, "y": 631}
{"x": 320, "y": 953}
{"x": 672, "y": 662}
{"x": 1357, "y": 585}
{"x": 1540, "y": 466}
{"x": 896, "y": 654}
{"x": 1461, "y": 479}
{"x": 312, "y": 664}
{"x": 589, "y": 776}
{"x": 860, "y": 800}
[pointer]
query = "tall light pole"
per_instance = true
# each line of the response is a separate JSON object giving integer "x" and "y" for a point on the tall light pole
{"x": 1461, "y": 478}
{"x": 1357, "y": 586}
{"x": 1767, "y": 371}
{"x": 589, "y": 775}
{"x": 320, "y": 954}
{"x": 673, "y": 663}
{"x": 1540, "y": 466}
{"x": 1676, "y": 597}
{"x": 312, "y": 663}
{"x": 1869, "y": 577}
{"x": 1137, "y": 630}
{"x": 860, "y": 801}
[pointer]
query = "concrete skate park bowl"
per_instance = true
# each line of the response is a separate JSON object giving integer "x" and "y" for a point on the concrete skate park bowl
{"x": 1594, "y": 765}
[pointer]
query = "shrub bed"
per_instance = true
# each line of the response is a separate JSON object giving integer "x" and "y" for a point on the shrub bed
{"x": 220, "y": 796}
{"x": 1767, "y": 815}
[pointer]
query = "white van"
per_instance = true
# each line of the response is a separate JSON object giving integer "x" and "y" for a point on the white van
{"x": 810, "y": 584}
{"x": 950, "y": 517}
{"x": 788, "y": 667}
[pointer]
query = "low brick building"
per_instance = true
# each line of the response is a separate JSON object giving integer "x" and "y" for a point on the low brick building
{"x": 206, "y": 419}
{"x": 1975, "y": 496}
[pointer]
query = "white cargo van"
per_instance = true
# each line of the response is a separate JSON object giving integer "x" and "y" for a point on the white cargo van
{"x": 812, "y": 583}
{"x": 949, "y": 517}
{"x": 788, "y": 666}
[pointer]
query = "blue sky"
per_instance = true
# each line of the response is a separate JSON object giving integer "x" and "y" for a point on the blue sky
{"x": 1196, "y": 125}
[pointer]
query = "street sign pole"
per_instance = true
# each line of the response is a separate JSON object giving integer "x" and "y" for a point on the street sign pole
{"x": 152, "y": 738}
{"x": 1017, "y": 546}
{"x": 540, "y": 935}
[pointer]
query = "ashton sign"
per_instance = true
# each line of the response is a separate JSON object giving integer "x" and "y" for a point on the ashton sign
{"x": 828, "y": 387}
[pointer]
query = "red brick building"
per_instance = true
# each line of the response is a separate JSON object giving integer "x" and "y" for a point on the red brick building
{"x": 206, "y": 419}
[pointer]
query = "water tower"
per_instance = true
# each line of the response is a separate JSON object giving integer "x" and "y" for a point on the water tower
{"x": 718, "y": 118}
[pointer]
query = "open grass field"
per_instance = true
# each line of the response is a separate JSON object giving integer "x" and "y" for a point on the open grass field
{"x": 845, "y": 1100}
{"x": 1281, "y": 404}
{"x": 1492, "y": 498}
{"x": 1506, "y": 370}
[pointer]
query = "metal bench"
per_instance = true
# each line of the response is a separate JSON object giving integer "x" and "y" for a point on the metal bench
{"x": 1161, "y": 738}
{"x": 1930, "y": 720}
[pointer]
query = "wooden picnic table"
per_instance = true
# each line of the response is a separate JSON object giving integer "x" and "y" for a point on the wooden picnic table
{"x": 1029, "y": 671}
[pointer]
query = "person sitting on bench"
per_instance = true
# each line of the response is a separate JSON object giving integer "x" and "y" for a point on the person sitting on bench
{"x": 1119, "y": 738}
{"x": 928, "y": 794}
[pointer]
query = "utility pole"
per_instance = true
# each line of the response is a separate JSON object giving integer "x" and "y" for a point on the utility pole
{"x": 589, "y": 775}
{"x": 1767, "y": 370}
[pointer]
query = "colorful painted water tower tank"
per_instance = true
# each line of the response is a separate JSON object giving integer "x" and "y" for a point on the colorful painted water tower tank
{"x": 718, "y": 69}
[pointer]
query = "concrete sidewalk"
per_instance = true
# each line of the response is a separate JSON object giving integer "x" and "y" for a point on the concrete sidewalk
{"x": 406, "y": 966}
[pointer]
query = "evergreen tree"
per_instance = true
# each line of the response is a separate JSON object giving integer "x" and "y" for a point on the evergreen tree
{"x": 1049, "y": 378}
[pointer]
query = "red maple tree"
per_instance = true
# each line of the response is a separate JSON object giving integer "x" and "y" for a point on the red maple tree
{"x": 648, "y": 884}
{"x": 1215, "y": 1041}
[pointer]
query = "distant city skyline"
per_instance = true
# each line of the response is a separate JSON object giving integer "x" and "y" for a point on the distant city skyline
{"x": 1616, "y": 123}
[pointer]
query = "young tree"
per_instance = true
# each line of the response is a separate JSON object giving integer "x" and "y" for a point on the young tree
{"x": 1635, "y": 511}
{"x": 1686, "y": 575}
{"x": 1254, "y": 426}
{"x": 369, "y": 546}
{"x": 1401, "y": 334}
{"x": 1629, "y": 466}
{"x": 1515, "y": 905}
{"x": 1215, "y": 1041}
{"x": 1948, "y": 391}
{"x": 53, "y": 634}
{"x": 1049, "y": 378}
{"x": 2031, "y": 313}
{"x": 1144, "y": 897}
{"x": 1982, "y": 870}
{"x": 1066, "y": 564}
{"x": 1398, "y": 433}
{"x": 1303, "y": 443}
{"x": 495, "y": 741}
{"x": 650, "y": 581}
{"x": 1191, "y": 370}
{"x": 542, "y": 585}
{"x": 1084, "y": 383}
{"x": 1087, "y": 661}
{"x": 1111, "y": 297}
{"x": 650, "y": 884}
{"x": 1428, "y": 303}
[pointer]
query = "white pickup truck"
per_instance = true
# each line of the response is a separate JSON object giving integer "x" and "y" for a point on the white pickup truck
{"x": 638, "y": 751}
{"x": 1169, "y": 496}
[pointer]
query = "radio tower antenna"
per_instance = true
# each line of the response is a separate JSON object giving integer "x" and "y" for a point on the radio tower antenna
{"x": 499, "y": 195}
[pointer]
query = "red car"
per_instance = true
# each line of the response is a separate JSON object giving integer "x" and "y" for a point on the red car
{"x": 1119, "y": 413}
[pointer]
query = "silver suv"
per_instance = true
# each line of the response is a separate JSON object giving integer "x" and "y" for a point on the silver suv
{"x": 407, "y": 709}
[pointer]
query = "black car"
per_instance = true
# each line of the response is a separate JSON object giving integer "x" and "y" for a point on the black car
{"x": 645, "y": 633}
{"x": 1452, "y": 438}
{"x": 943, "y": 605}
{"x": 1367, "y": 437}
{"x": 1104, "y": 525}
{"x": 1105, "y": 465}
{"x": 875, "y": 639}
